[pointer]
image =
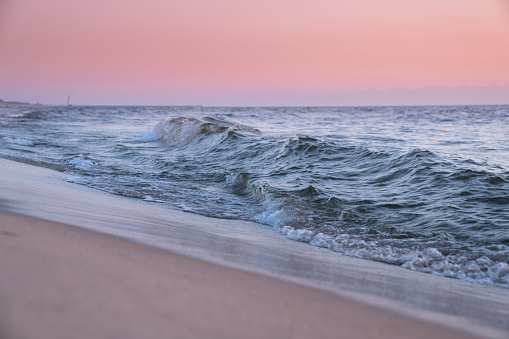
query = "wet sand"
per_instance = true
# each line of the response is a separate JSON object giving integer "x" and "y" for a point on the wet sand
{"x": 59, "y": 281}
{"x": 213, "y": 278}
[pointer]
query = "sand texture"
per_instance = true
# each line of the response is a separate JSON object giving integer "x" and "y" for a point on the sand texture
{"x": 64, "y": 282}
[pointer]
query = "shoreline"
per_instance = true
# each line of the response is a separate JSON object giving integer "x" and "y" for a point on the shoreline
{"x": 249, "y": 247}
{"x": 66, "y": 282}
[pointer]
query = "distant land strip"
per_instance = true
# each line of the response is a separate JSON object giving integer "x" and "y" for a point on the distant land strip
{"x": 6, "y": 104}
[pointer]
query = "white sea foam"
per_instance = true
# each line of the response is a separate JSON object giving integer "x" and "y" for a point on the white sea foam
{"x": 7, "y": 114}
{"x": 83, "y": 163}
{"x": 321, "y": 240}
{"x": 303, "y": 235}
{"x": 150, "y": 199}
{"x": 148, "y": 136}
{"x": 18, "y": 141}
{"x": 428, "y": 260}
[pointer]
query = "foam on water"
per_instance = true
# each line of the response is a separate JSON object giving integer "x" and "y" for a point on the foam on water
{"x": 17, "y": 141}
{"x": 83, "y": 163}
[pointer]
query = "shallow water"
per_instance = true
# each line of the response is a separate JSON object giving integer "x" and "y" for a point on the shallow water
{"x": 426, "y": 188}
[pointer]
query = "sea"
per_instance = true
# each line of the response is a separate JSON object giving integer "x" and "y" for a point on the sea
{"x": 424, "y": 187}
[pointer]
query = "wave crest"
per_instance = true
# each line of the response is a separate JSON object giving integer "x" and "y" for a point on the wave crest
{"x": 183, "y": 130}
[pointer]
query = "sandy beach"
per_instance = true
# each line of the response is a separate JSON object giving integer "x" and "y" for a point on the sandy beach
{"x": 63, "y": 282}
{"x": 207, "y": 278}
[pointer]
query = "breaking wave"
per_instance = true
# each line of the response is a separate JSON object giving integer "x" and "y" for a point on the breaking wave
{"x": 383, "y": 205}
{"x": 183, "y": 130}
{"x": 391, "y": 196}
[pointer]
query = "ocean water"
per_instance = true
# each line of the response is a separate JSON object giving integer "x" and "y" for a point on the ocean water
{"x": 426, "y": 188}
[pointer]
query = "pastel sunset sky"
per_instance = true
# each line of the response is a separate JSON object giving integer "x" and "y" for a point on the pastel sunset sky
{"x": 255, "y": 52}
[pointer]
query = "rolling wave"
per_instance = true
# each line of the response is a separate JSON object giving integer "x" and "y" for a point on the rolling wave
{"x": 339, "y": 186}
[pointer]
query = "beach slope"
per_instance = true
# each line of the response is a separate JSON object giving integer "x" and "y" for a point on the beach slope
{"x": 60, "y": 281}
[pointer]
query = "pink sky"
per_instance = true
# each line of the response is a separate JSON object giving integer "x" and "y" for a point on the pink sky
{"x": 263, "y": 52}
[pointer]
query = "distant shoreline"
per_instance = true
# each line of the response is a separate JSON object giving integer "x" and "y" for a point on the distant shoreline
{"x": 8, "y": 104}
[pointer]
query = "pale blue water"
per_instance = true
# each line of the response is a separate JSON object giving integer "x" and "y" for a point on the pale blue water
{"x": 426, "y": 188}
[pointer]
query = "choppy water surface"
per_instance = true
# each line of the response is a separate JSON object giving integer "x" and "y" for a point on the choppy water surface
{"x": 422, "y": 187}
